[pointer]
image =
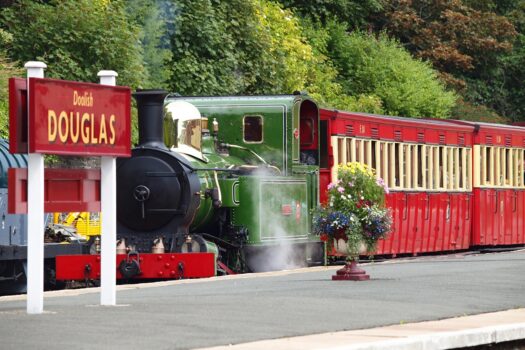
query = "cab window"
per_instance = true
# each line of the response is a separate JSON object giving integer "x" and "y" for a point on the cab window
{"x": 253, "y": 128}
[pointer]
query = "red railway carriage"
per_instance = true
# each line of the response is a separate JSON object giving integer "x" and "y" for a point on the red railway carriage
{"x": 427, "y": 165}
{"x": 499, "y": 184}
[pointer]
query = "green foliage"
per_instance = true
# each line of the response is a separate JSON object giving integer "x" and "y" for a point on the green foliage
{"x": 467, "y": 111}
{"x": 286, "y": 55}
{"x": 501, "y": 87}
{"x": 8, "y": 69}
{"x": 354, "y": 13}
{"x": 234, "y": 47}
{"x": 322, "y": 82}
{"x": 75, "y": 38}
{"x": 4, "y": 120}
{"x": 379, "y": 67}
{"x": 151, "y": 17}
{"x": 205, "y": 57}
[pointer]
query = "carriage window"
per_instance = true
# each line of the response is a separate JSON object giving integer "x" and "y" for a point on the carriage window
{"x": 441, "y": 167}
{"x": 451, "y": 168}
{"x": 459, "y": 168}
{"x": 374, "y": 153}
{"x": 437, "y": 169}
{"x": 397, "y": 160}
{"x": 509, "y": 178}
{"x": 407, "y": 171}
{"x": 368, "y": 153}
{"x": 340, "y": 151}
{"x": 517, "y": 172}
{"x": 489, "y": 170}
{"x": 419, "y": 166}
{"x": 468, "y": 173}
{"x": 498, "y": 180}
{"x": 414, "y": 166}
{"x": 349, "y": 147}
{"x": 358, "y": 151}
{"x": 428, "y": 176}
{"x": 462, "y": 167}
{"x": 521, "y": 167}
{"x": 253, "y": 129}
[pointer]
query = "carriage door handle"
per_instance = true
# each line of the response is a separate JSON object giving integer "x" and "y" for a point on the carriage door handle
{"x": 496, "y": 201}
{"x": 515, "y": 196}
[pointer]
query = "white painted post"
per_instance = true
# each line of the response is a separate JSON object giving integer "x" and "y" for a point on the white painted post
{"x": 108, "y": 203}
{"x": 35, "y": 214}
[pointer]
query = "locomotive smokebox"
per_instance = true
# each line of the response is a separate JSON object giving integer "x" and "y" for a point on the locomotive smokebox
{"x": 158, "y": 192}
{"x": 150, "y": 105}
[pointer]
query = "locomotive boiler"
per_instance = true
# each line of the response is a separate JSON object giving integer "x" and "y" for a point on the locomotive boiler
{"x": 236, "y": 176}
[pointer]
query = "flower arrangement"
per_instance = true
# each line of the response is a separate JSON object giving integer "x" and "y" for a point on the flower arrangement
{"x": 355, "y": 208}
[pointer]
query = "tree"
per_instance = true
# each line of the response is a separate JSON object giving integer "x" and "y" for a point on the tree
{"x": 456, "y": 38}
{"x": 356, "y": 14}
{"x": 89, "y": 36}
{"x": 322, "y": 81}
{"x": 151, "y": 17}
{"x": 233, "y": 47}
{"x": 378, "y": 66}
{"x": 8, "y": 69}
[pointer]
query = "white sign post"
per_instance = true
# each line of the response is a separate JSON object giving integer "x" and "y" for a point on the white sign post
{"x": 108, "y": 204}
{"x": 35, "y": 214}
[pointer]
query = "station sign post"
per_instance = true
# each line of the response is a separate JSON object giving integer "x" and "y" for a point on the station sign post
{"x": 80, "y": 119}
{"x": 35, "y": 215}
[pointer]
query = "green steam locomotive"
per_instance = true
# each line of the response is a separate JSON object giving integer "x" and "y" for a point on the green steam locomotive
{"x": 237, "y": 176}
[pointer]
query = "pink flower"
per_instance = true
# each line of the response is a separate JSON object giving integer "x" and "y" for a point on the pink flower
{"x": 340, "y": 189}
{"x": 331, "y": 185}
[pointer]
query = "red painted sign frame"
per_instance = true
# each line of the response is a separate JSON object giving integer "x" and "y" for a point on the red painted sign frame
{"x": 64, "y": 190}
{"x": 81, "y": 119}
{"x": 17, "y": 115}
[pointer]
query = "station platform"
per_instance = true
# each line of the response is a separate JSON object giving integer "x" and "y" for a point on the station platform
{"x": 437, "y": 302}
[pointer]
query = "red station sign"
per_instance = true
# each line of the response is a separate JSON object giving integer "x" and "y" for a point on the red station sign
{"x": 82, "y": 119}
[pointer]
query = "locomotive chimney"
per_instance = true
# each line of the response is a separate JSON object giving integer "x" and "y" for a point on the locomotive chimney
{"x": 150, "y": 106}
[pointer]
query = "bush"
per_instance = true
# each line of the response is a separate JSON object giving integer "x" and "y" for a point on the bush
{"x": 379, "y": 66}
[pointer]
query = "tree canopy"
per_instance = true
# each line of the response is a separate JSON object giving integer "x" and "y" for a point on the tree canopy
{"x": 88, "y": 37}
{"x": 403, "y": 57}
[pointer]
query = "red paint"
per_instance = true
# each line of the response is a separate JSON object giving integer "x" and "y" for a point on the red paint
{"x": 324, "y": 180}
{"x": 286, "y": 210}
{"x": 350, "y": 272}
{"x": 64, "y": 190}
{"x": 423, "y": 221}
{"x": 72, "y": 118}
{"x": 152, "y": 266}
{"x": 225, "y": 268}
{"x": 498, "y": 217}
{"x": 17, "y": 115}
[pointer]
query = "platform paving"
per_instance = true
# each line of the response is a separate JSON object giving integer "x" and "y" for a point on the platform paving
{"x": 434, "y": 302}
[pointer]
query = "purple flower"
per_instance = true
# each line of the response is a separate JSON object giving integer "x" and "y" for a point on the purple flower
{"x": 331, "y": 185}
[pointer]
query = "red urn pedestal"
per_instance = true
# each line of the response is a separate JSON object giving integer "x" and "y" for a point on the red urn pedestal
{"x": 350, "y": 273}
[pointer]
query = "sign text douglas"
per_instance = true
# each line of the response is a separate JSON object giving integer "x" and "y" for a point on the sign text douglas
{"x": 71, "y": 118}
